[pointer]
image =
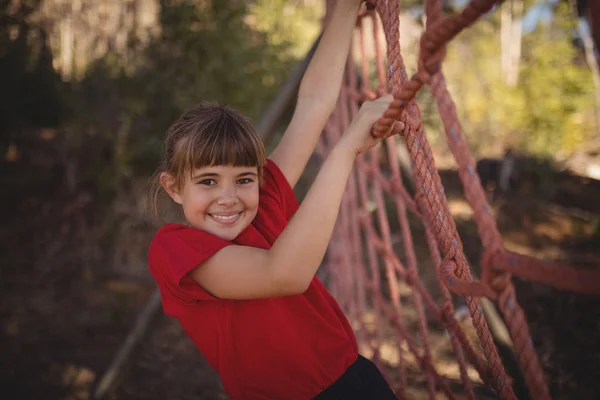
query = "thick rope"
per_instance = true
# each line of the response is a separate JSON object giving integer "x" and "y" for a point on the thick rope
{"x": 362, "y": 262}
{"x": 431, "y": 199}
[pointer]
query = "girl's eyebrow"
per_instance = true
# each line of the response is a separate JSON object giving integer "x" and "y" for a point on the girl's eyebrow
{"x": 247, "y": 173}
{"x": 215, "y": 175}
{"x": 206, "y": 175}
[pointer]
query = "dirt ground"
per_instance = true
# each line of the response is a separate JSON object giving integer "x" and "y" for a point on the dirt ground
{"x": 561, "y": 223}
{"x": 66, "y": 308}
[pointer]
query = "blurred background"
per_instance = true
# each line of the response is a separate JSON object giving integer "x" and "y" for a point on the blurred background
{"x": 89, "y": 87}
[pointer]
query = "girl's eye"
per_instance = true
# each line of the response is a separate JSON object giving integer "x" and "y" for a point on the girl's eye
{"x": 207, "y": 182}
{"x": 245, "y": 181}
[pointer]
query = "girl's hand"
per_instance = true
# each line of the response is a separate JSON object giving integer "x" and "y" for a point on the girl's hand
{"x": 359, "y": 136}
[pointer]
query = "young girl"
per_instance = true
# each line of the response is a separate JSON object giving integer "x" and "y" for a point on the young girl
{"x": 240, "y": 276}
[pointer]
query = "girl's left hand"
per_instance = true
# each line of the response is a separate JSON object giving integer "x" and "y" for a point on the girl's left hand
{"x": 359, "y": 135}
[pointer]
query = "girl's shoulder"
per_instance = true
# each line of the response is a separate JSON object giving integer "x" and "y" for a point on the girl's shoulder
{"x": 171, "y": 227}
{"x": 174, "y": 235}
{"x": 181, "y": 248}
{"x": 170, "y": 230}
{"x": 278, "y": 188}
{"x": 174, "y": 252}
{"x": 273, "y": 178}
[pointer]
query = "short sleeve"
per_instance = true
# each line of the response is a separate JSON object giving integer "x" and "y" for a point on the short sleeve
{"x": 276, "y": 184}
{"x": 174, "y": 252}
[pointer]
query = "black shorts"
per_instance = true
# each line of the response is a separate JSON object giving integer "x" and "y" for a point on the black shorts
{"x": 361, "y": 381}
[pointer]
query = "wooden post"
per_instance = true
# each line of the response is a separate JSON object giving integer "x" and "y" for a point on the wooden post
{"x": 590, "y": 57}
{"x": 594, "y": 21}
{"x": 123, "y": 356}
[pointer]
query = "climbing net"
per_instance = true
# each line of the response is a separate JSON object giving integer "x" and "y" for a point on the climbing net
{"x": 375, "y": 274}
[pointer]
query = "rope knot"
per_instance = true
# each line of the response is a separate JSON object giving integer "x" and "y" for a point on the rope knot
{"x": 500, "y": 283}
{"x": 409, "y": 122}
{"x": 432, "y": 56}
{"x": 423, "y": 76}
{"x": 447, "y": 272}
{"x": 460, "y": 285}
{"x": 492, "y": 275}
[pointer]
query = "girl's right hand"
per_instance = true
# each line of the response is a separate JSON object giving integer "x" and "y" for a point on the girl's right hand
{"x": 358, "y": 137}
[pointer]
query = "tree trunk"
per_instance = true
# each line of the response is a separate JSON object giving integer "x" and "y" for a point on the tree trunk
{"x": 516, "y": 32}
{"x": 594, "y": 21}
{"x": 592, "y": 62}
{"x": 505, "y": 33}
{"x": 67, "y": 42}
{"x": 511, "y": 30}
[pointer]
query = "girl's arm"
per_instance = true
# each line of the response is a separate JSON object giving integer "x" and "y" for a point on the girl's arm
{"x": 318, "y": 92}
{"x": 243, "y": 272}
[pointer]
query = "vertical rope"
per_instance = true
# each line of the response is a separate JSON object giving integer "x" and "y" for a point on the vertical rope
{"x": 361, "y": 259}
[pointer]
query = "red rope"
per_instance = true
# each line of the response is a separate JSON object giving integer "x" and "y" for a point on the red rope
{"x": 361, "y": 257}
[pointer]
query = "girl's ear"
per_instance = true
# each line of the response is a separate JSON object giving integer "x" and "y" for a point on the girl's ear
{"x": 168, "y": 182}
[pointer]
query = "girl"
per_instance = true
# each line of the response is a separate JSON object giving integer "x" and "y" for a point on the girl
{"x": 240, "y": 277}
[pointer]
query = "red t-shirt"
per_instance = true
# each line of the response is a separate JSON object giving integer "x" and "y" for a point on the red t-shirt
{"x": 288, "y": 348}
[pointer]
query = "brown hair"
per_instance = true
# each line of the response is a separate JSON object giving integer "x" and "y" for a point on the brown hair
{"x": 206, "y": 135}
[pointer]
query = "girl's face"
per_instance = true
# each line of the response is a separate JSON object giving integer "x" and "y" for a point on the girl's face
{"x": 221, "y": 200}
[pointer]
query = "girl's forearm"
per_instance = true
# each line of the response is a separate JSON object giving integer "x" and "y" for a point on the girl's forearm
{"x": 318, "y": 92}
{"x": 299, "y": 250}
{"x": 323, "y": 78}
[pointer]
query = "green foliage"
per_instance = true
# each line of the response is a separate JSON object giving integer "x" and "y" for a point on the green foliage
{"x": 225, "y": 50}
{"x": 551, "y": 108}
{"x": 240, "y": 52}
{"x": 286, "y": 24}
{"x": 557, "y": 90}
{"x": 204, "y": 52}
{"x": 210, "y": 52}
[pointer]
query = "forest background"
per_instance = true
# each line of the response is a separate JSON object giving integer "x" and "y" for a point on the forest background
{"x": 89, "y": 87}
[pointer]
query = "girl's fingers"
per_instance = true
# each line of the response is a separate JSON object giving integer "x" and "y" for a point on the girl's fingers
{"x": 373, "y": 133}
{"x": 399, "y": 127}
{"x": 388, "y": 98}
{"x": 391, "y": 130}
{"x": 380, "y": 135}
{"x": 396, "y": 128}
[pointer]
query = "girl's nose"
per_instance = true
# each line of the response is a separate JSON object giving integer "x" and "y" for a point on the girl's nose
{"x": 228, "y": 197}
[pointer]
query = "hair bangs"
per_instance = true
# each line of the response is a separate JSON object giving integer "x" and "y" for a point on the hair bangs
{"x": 227, "y": 141}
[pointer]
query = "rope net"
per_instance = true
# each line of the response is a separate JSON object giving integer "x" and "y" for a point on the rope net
{"x": 396, "y": 303}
